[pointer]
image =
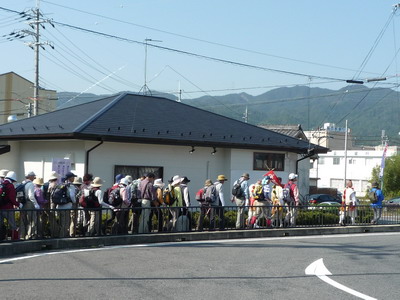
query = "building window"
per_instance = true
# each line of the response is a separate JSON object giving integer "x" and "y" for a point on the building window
{"x": 336, "y": 160}
{"x": 352, "y": 161}
{"x": 137, "y": 171}
{"x": 337, "y": 183}
{"x": 265, "y": 161}
{"x": 321, "y": 160}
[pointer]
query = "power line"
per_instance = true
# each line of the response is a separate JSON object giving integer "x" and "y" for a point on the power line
{"x": 371, "y": 51}
{"x": 200, "y": 40}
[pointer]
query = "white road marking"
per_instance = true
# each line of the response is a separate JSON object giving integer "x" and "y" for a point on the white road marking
{"x": 318, "y": 269}
{"x": 7, "y": 260}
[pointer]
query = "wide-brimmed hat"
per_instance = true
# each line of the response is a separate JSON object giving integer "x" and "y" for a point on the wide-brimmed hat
{"x": 246, "y": 175}
{"x": 97, "y": 182}
{"x": 53, "y": 175}
{"x": 129, "y": 178}
{"x": 158, "y": 183}
{"x": 124, "y": 181}
{"x": 38, "y": 181}
{"x": 292, "y": 176}
{"x": 221, "y": 178}
{"x": 78, "y": 180}
{"x": 208, "y": 182}
{"x": 30, "y": 173}
{"x": 3, "y": 172}
{"x": 176, "y": 180}
{"x": 11, "y": 175}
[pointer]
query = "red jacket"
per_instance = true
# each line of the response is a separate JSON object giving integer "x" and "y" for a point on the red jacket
{"x": 11, "y": 196}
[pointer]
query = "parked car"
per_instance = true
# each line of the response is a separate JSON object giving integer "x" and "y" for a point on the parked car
{"x": 319, "y": 198}
{"x": 392, "y": 202}
{"x": 331, "y": 206}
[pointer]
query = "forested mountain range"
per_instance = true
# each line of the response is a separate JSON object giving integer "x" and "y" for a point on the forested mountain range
{"x": 368, "y": 111}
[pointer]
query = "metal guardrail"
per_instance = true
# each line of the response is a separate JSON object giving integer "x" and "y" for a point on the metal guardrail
{"x": 79, "y": 222}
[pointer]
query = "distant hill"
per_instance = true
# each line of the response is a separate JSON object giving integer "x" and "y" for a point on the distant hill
{"x": 368, "y": 111}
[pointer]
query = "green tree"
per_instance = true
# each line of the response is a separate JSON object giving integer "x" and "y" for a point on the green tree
{"x": 391, "y": 176}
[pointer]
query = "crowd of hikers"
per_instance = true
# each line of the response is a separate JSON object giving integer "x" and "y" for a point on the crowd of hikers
{"x": 74, "y": 206}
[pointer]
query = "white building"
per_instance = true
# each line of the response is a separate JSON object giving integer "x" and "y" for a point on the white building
{"x": 329, "y": 169}
{"x": 134, "y": 134}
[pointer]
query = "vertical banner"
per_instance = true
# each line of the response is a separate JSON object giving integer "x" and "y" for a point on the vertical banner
{"x": 383, "y": 161}
{"x": 61, "y": 166}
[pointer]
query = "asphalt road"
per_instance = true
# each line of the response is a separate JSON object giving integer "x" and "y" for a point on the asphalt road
{"x": 269, "y": 268}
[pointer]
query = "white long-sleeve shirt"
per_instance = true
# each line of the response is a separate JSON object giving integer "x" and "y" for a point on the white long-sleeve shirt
{"x": 220, "y": 192}
{"x": 185, "y": 194}
{"x": 30, "y": 191}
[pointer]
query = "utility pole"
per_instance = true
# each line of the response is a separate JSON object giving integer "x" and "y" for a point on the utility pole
{"x": 345, "y": 155}
{"x": 35, "y": 21}
{"x": 37, "y": 43}
{"x": 179, "y": 92}
{"x": 246, "y": 115}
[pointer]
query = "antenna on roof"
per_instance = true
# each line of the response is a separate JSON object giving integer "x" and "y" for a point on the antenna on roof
{"x": 145, "y": 88}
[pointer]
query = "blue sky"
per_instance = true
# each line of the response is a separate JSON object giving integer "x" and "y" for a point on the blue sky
{"x": 314, "y": 38}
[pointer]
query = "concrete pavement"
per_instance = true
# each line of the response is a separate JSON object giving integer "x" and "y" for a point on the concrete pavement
{"x": 20, "y": 247}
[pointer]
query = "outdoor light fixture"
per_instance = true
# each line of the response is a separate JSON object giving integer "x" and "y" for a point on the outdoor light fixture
{"x": 67, "y": 156}
{"x": 191, "y": 151}
{"x": 214, "y": 151}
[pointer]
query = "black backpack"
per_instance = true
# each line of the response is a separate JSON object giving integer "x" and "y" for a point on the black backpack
{"x": 91, "y": 200}
{"x": 3, "y": 200}
{"x": 114, "y": 197}
{"x": 60, "y": 194}
{"x": 237, "y": 189}
{"x": 20, "y": 191}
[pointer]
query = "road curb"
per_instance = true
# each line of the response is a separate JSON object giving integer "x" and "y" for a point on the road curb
{"x": 21, "y": 247}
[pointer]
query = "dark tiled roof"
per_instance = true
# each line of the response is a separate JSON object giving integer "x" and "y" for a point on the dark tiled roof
{"x": 291, "y": 130}
{"x": 145, "y": 119}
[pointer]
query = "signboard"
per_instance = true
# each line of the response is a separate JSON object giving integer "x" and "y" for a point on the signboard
{"x": 61, "y": 166}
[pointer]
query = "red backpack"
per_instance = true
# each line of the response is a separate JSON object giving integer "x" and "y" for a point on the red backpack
{"x": 200, "y": 195}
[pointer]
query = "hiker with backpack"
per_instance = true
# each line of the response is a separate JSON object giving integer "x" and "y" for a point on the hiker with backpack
{"x": 63, "y": 196}
{"x": 48, "y": 189}
{"x": 39, "y": 196}
{"x": 349, "y": 205}
{"x": 148, "y": 195}
{"x": 277, "y": 204}
{"x": 120, "y": 225}
{"x": 376, "y": 198}
{"x": 263, "y": 202}
{"x": 173, "y": 198}
{"x": 251, "y": 216}
{"x": 186, "y": 199}
{"x": 220, "y": 203}
{"x": 291, "y": 199}
{"x": 158, "y": 206}
{"x": 92, "y": 201}
{"x": 8, "y": 202}
{"x": 28, "y": 216}
{"x": 108, "y": 197}
{"x": 240, "y": 193}
{"x": 135, "y": 204}
{"x": 74, "y": 211}
{"x": 208, "y": 202}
